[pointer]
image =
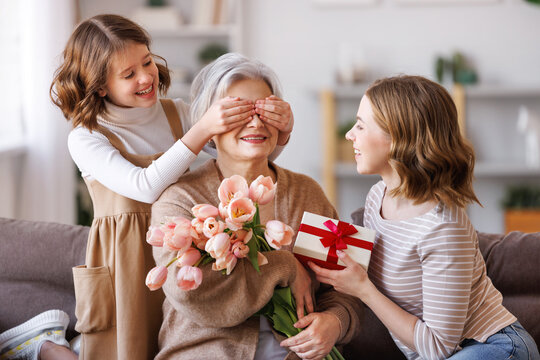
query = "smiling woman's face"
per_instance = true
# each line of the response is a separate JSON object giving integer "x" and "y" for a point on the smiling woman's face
{"x": 254, "y": 141}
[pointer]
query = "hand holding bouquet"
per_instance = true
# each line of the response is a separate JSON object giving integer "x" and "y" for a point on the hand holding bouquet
{"x": 223, "y": 235}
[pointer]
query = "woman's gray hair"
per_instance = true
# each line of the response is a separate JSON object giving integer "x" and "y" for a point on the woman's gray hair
{"x": 213, "y": 81}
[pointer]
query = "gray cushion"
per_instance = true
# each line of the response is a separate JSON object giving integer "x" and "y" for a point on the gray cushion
{"x": 35, "y": 269}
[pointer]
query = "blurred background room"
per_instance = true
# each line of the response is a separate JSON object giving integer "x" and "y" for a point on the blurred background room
{"x": 326, "y": 52}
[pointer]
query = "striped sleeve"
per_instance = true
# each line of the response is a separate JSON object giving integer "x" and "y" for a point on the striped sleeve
{"x": 447, "y": 259}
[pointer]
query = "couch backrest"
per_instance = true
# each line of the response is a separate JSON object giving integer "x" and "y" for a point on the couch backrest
{"x": 513, "y": 265}
{"x": 35, "y": 269}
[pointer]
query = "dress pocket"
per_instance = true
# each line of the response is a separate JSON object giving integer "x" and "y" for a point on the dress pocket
{"x": 94, "y": 298}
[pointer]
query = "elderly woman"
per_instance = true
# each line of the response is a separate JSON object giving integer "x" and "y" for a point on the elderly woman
{"x": 217, "y": 319}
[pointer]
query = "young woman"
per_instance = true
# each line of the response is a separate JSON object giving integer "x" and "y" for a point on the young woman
{"x": 427, "y": 279}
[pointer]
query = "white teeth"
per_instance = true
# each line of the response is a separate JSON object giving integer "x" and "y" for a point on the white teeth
{"x": 356, "y": 151}
{"x": 144, "y": 92}
{"x": 253, "y": 138}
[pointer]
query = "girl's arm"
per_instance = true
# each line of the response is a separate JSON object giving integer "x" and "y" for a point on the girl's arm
{"x": 96, "y": 157}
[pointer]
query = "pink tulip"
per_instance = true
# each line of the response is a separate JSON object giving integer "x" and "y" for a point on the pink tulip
{"x": 226, "y": 262}
{"x": 200, "y": 242}
{"x": 241, "y": 210}
{"x": 239, "y": 249}
{"x": 189, "y": 257}
{"x": 183, "y": 227}
{"x": 218, "y": 245}
{"x": 234, "y": 226}
{"x": 234, "y": 187}
{"x": 177, "y": 242}
{"x": 154, "y": 236}
{"x": 168, "y": 226}
{"x": 222, "y": 211}
{"x": 211, "y": 227}
{"x": 241, "y": 235}
{"x": 278, "y": 234}
{"x": 156, "y": 277}
{"x": 204, "y": 211}
{"x": 262, "y": 190}
{"x": 189, "y": 278}
{"x": 197, "y": 225}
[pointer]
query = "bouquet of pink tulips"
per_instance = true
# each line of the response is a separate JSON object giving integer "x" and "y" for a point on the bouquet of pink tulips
{"x": 222, "y": 235}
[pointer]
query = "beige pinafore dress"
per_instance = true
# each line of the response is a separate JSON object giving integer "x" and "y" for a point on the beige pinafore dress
{"x": 117, "y": 315}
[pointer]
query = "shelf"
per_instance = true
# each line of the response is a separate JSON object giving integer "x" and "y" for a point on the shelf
{"x": 192, "y": 31}
{"x": 482, "y": 170}
{"x": 349, "y": 92}
{"x": 504, "y": 170}
{"x": 502, "y": 91}
{"x": 12, "y": 149}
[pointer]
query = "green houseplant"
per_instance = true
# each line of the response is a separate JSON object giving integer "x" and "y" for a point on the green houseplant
{"x": 345, "y": 150}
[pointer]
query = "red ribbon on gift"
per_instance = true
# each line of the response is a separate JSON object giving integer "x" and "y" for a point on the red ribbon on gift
{"x": 337, "y": 238}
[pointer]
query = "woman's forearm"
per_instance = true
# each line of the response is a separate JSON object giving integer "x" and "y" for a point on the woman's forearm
{"x": 398, "y": 321}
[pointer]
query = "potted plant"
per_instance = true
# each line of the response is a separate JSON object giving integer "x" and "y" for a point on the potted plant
{"x": 522, "y": 208}
{"x": 345, "y": 149}
{"x": 211, "y": 52}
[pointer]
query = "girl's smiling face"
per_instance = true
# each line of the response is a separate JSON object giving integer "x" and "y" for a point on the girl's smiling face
{"x": 133, "y": 78}
{"x": 256, "y": 139}
{"x": 371, "y": 144}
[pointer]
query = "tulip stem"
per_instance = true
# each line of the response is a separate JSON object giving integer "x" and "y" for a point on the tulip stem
{"x": 200, "y": 260}
{"x": 172, "y": 261}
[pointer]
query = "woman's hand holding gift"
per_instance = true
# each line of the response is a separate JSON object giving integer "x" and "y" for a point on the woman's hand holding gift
{"x": 277, "y": 113}
{"x": 352, "y": 280}
{"x": 321, "y": 332}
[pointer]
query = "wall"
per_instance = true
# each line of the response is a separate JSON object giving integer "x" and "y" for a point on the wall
{"x": 299, "y": 39}
{"x": 500, "y": 38}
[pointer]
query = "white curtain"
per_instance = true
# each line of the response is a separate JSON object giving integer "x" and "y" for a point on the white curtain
{"x": 47, "y": 187}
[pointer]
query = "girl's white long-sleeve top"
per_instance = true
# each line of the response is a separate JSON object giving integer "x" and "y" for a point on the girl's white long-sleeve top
{"x": 143, "y": 131}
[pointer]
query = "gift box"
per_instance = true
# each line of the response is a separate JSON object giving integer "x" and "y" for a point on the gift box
{"x": 320, "y": 237}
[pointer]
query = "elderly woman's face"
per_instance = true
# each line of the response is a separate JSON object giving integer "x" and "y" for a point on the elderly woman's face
{"x": 256, "y": 139}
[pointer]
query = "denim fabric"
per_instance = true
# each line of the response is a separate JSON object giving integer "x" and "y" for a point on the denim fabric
{"x": 268, "y": 347}
{"x": 511, "y": 342}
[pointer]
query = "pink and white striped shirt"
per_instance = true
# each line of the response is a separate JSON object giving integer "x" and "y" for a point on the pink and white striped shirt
{"x": 431, "y": 266}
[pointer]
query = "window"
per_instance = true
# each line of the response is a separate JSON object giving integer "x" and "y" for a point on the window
{"x": 10, "y": 60}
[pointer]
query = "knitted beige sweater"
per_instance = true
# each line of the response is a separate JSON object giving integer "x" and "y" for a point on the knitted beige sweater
{"x": 216, "y": 320}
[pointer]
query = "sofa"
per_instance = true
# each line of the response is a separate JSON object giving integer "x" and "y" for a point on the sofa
{"x": 36, "y": 260}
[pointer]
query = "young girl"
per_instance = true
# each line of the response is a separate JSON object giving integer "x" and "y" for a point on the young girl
{"x": 129, "y": 147}
{"x": 427, "y": 279}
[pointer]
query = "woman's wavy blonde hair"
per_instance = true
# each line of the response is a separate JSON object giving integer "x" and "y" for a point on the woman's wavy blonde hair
{"x": 86, "y": 62}
{"x": 432, "y": 158}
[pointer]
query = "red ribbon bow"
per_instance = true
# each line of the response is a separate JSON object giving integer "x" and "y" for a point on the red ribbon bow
{"x": 337, "y": 238}
{"x": 339, "y": 231}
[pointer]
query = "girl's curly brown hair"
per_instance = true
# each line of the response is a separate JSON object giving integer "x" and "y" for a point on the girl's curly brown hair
{"x": 432, "y": 158}
{"x": 86, "y": 62}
